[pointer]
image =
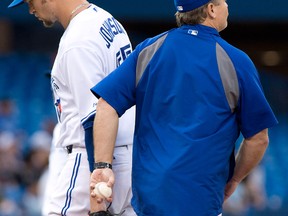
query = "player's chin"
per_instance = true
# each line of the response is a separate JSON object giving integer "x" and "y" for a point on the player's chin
{"x": 48, "y": 24}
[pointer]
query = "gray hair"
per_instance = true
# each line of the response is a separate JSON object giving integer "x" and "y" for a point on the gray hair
{"x": 193, "y": 17}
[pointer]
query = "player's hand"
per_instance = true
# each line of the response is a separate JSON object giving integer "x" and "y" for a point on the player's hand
{"x": 102, "y": 175}
{"x": 230, "y": 188}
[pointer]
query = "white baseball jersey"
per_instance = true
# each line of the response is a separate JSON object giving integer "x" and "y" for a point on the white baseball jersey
{"x": 93, "y": 45}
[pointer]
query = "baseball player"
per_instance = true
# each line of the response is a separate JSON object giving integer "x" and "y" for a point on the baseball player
{"x": 194, "y": 94}
{"x": 93, "y": 44}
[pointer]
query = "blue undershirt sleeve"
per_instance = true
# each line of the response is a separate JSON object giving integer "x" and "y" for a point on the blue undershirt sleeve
{"x": 88, "y": 128}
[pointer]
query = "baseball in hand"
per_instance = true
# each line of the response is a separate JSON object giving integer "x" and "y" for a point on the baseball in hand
{"x": 102, "y": 190}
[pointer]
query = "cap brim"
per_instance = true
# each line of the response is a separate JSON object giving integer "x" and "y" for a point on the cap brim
{"x": 15, "y": 3}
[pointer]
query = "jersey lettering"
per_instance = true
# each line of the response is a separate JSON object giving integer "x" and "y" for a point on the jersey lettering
{"x": 54, "y": 85}
{"x": 57, "y": 101}
{"x": 109, "y": 29}
{"x": 122, "y": 54}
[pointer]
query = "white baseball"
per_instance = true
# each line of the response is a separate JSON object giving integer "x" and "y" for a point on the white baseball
{"x": 102, "y": 190}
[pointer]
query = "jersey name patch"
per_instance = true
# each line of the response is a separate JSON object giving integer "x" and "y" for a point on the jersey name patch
{"x": 109, "y": 29}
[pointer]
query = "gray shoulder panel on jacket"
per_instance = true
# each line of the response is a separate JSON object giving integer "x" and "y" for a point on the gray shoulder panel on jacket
{"x": 228, "y": 76}
{"x": 146, "y": 55}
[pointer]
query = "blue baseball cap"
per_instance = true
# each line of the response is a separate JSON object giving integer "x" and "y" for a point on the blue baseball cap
{"x": 188, "y": 5}
{"x": 15, "y": 3}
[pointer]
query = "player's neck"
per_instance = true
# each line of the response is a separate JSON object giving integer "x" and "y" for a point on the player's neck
{"x": 75, "y": 11}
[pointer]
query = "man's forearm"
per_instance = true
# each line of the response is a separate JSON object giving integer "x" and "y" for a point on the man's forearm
{"x": 105, "y": 133}
{"x": 250, "y": 154}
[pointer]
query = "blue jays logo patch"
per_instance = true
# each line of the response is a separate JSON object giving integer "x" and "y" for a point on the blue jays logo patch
{"x": 58, "y": 108}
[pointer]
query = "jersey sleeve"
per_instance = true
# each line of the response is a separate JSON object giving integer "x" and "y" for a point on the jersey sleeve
{"x": 119, "y": 87}
{"x": 84, "y": 68}
{"x": 254, "y": 113}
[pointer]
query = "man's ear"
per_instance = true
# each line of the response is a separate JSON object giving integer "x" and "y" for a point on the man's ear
{"x": 211, "y": 10}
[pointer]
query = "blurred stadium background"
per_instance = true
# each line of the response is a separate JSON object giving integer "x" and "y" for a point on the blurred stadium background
{"x": 27, "y": 50}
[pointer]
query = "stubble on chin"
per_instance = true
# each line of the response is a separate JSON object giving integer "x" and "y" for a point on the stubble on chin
{"x": 48, "y": 24}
